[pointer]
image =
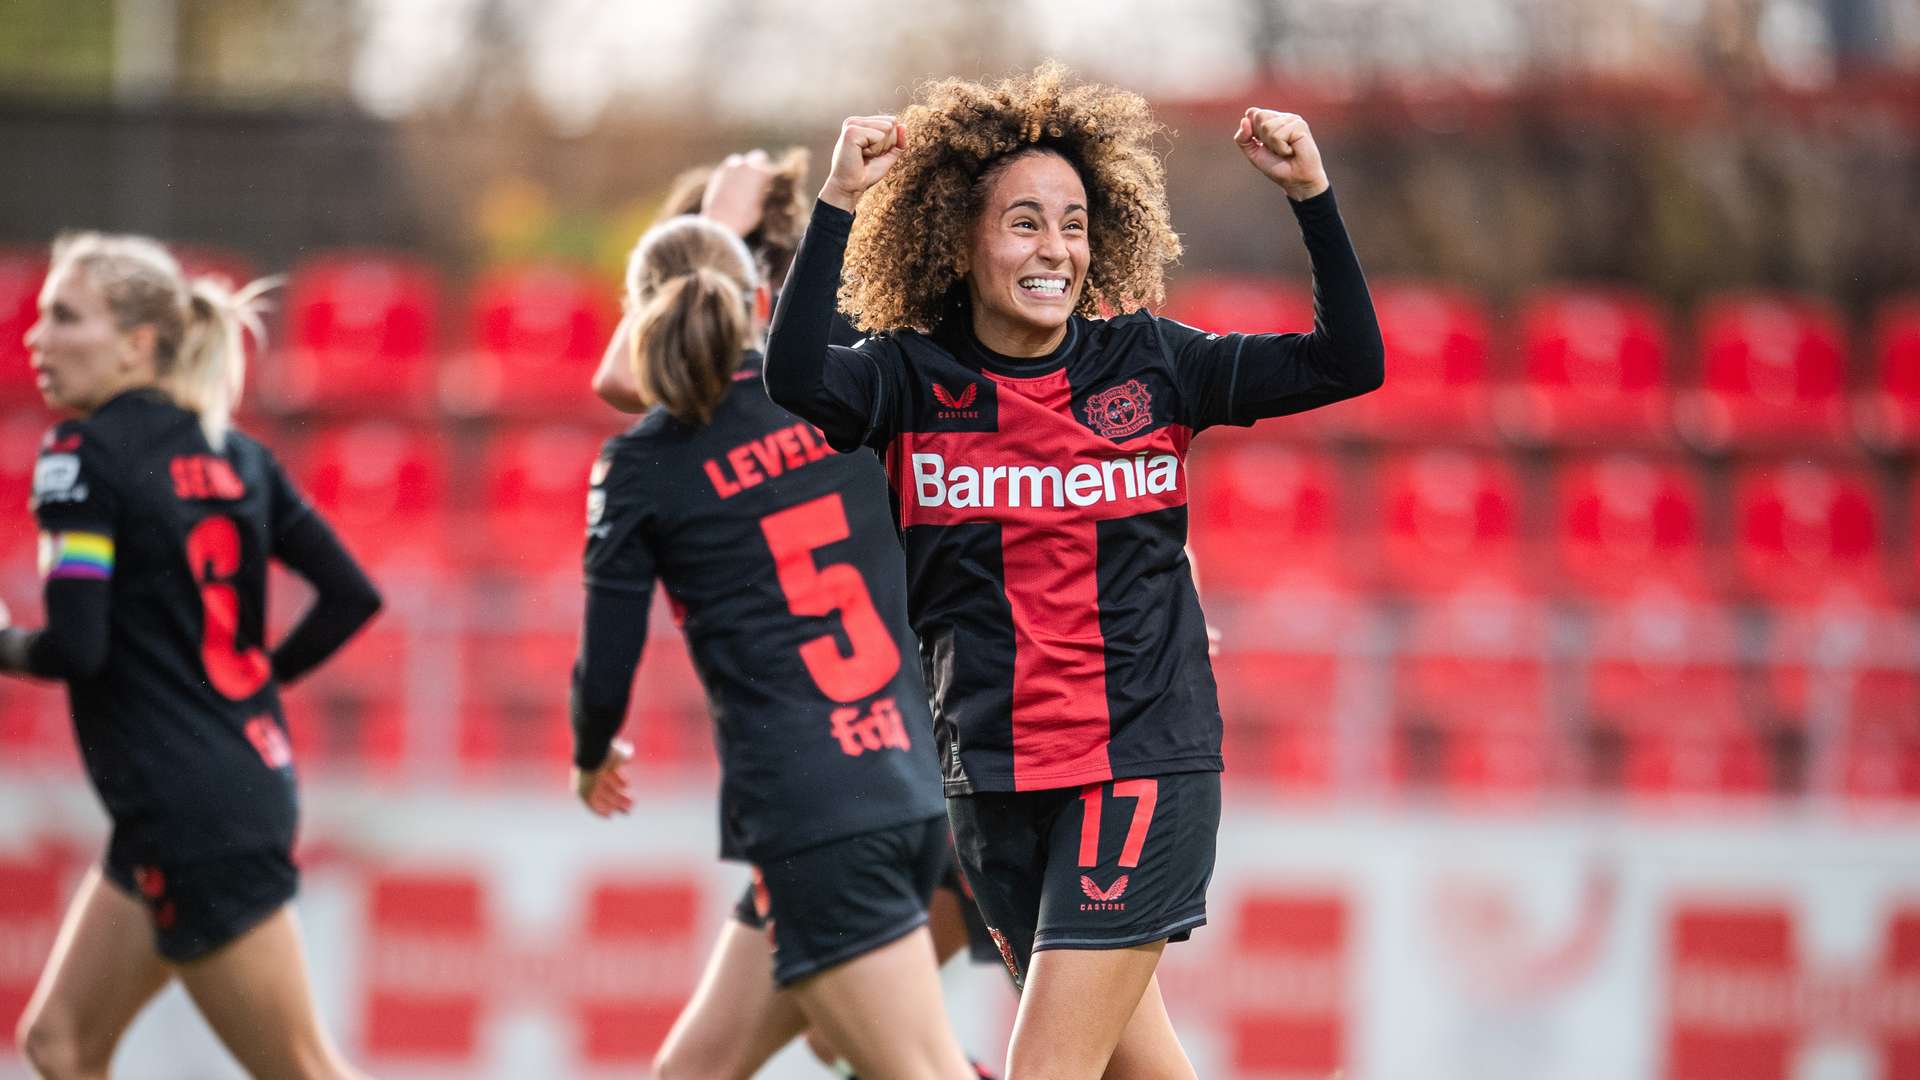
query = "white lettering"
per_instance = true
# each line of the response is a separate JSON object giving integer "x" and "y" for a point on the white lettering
{"x": 1033, "y": 476}
{"x": 929, "y": 480}
{"x": 987, "y": 477}
{"x": 1125, "y": 467}
{"x": 963, "y": 488}
{"x": 1163, "y": 474}
{"x": 1113, "y": 480}
{"x": 1083, "y": 486}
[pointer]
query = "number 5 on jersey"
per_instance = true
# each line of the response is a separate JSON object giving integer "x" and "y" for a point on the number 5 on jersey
{"x": 872, "y": 659}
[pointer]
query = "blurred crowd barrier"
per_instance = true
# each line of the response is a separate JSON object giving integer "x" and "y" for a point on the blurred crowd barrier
{"x": 475, "y": 934}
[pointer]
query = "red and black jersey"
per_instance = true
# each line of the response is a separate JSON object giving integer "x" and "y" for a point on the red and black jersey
{"x": 778, "y": 554}
{"x": 1043, "y": 506}
{"x": 178, "y": 718}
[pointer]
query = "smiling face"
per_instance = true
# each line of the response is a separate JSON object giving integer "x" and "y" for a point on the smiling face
{"x": 1028, "y": 262}
{"x": 80, "y": 356}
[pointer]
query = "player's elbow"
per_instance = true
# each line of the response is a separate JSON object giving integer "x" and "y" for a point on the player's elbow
{"x": 1363, "y": 363}
{"x": 610, "y": 387}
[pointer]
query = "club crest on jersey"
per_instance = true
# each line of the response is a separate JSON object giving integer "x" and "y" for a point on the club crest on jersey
{"x": 957, "y": 406}
{"x": 1120, "y": 411}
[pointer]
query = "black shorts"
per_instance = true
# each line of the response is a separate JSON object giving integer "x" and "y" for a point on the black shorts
{"x": 1105, "y": 866}
{"x": 839, "y": 900}
{"x": 980, "y": 946}
{"x": 196, "y": 907}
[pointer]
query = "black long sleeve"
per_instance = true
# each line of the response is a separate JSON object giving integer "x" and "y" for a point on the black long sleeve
{"x": 1237, "y": 379}
{"x": 611, "y": 641}
{"x": 344, "y": 597}
{"x": 77, "y": 637}
{"x": 841, "y": 391}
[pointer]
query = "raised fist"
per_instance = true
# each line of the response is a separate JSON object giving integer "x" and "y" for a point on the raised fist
{"x": 868, "y": 147}
{"x": 1280, "y": 146}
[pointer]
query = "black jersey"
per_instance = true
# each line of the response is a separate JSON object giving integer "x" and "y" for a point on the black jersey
{"x": 181, "y": 731}
{"x": 779, "y": 557}
{"x": 1043, "y": 506}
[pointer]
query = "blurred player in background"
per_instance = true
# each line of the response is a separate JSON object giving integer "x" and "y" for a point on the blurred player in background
{"x": 761, "y": 199}
{"x": 157, "y": 520}
{"x": 1036, "y": 451}
{"x": 776, "y": 552}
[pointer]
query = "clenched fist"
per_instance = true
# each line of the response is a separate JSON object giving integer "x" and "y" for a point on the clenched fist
{"x": 868, "y": 147}
{"x": 1280, "y": 145}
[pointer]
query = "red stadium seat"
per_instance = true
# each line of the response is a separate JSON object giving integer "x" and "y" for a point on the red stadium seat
{"x": 1294, "y": 639}
{"x": 1805, "y": 532}
{"x": 1772, "y": 374}
{"x": 1847, "y": 671}
{"x": 1247, "y": 304}
{"x": 21, "y": 274}
{"x": 1264, "y": 516}
{"x": 352, "y": 711}
{"x": 1470, "y": 699}
{"x": 534, "y": 500}
{"x": 21, "y": 432}
{"x": 360, "y": 335}
{"x": 514, "y": 693}
{"x": 1887, "y": 415}
{"x": 205, "y": 260}
{"x": 1624, "y": 523}
{"x": 1663, "y": 713}
{"x": 1593, "y": 370}
{"x": 1437, "y": 387}
{"x": 535, "y": 335}
{"x": 1880, "y": 751}
{"x": 1451, "y": 520}
{"x": 383, "y": 486}
{"x": 1241, "y": 304}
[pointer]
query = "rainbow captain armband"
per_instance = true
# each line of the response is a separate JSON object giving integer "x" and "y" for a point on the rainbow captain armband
{"x": 83, "y": 556}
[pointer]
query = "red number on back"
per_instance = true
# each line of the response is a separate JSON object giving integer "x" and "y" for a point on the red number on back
{"x": 794, "y": 535}
{"x": 213, "y": 557}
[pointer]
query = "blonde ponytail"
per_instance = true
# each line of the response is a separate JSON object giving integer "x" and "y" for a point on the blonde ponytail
{"x": 689, "y": 283}
{"x": 209, "y": 370}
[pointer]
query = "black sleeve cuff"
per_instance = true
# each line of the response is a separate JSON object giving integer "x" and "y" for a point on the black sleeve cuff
{"x": 1318, "y": 208}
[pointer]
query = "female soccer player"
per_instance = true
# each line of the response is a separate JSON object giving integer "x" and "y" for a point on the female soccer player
{"x": 735, "y": 1010}
{"x": 793, "y": 597}
{"x": 157, "y": 520}
{"x": 1036, "y": 452}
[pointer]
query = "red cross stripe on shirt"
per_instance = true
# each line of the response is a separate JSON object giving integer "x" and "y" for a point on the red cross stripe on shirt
{"x": 1742, "y": 1002}
{"x": 437, "y": 966}
{"x": 1048, "y": 482}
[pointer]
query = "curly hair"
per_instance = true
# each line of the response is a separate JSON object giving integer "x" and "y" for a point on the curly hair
{"x": 912, "y": 235}
{"x": 783, "y": 216}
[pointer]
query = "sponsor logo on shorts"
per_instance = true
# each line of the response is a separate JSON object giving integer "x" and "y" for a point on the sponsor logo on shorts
{"x": 270, "y": 742}
{"x": 1107, "y": 899}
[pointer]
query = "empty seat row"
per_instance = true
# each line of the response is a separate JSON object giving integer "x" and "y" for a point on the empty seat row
{"x": 364, "y": 331}
{"x": 1423, "y": 521}
{"x": 1262, "y": 515}
{"x": 1600, "y": 367}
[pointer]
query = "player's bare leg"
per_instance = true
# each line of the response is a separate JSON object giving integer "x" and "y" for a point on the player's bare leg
{"x": 102, "y": 971}
{"x": 1148, "y": 1048}
{"x": 948, "y": 926}
{"x": 254, "y": 993}
{"x": 884, "y": 1013}
{"x": 1076, "y": 1006}
{"x": 736, "y": 1019}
